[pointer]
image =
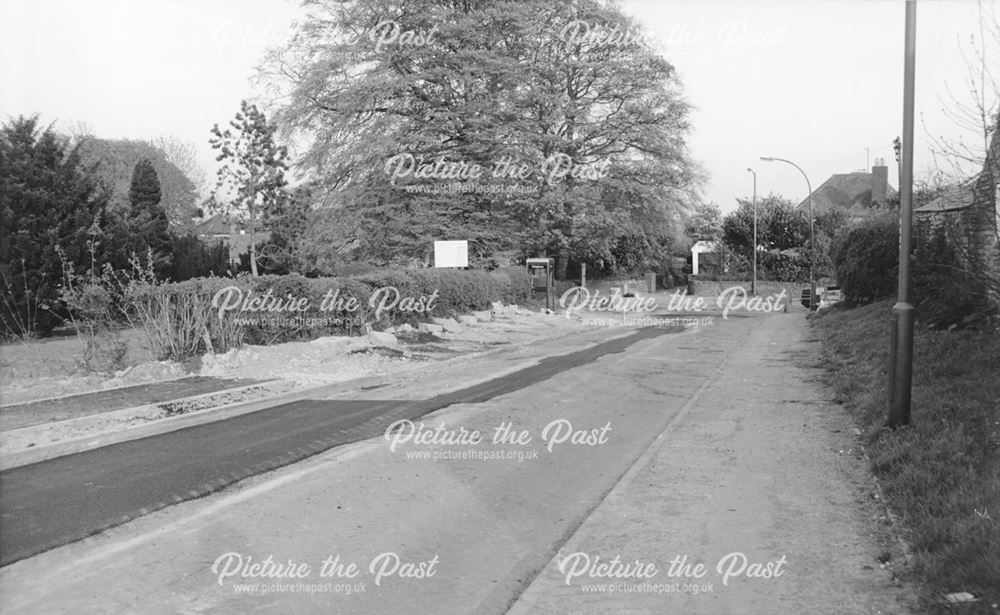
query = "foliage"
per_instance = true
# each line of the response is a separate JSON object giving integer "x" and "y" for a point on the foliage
{"x": 784, "y": 265}
{"x": 192, "y": 258}
{"x": 495, "y": 81}
{"x": 705, "y": 224}
{"x": 830, "y": 221}
{"x": 253, "y": 169}
{"x": 113, "y": 161}
{"x": 866, "y": 258}
{"x": 181, "y": 319}
{"x": 91, "y": 310}
{"x": 174, "y": 316}
{"x": 944, "y": 291}
{"x": 184, "y": 156}
{"x": 46, "y": 200}
{"x": 779, "y": 225}
{"x": 782, "y": 238}
{"x": 941, "y": 474}
{"x": 283, "y": 252}
{"x": 145, "y": 229}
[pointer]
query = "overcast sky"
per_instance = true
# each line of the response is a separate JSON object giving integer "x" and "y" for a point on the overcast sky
{"x": 814, "y": 82}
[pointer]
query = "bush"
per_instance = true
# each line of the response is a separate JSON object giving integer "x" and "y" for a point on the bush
{"x": 784, "y": 265}
{"x": 866, "y": 258}
{"x": 182, "y": 319}
{"x": 174, "y": 317}
{"x": 945, "y": 293}
{"x": 518, "y": 288}
{"x": 192, "y": 258}
{"x": 90, "y": 305}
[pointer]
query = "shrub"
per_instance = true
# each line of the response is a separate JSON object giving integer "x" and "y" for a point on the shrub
{"x": 519, "y": 288}
{"x": 784, "y": 265}
{"x": 458, "y": 292}
{"x": 281, "y": 286}
{"x": 354, "y": 268}
{"x": 945, "y": 293}
{"x": 192, "y": 258}
{"x": 180, "y": 320}
{"x": 91, "y": 311}
{"x": 866, "y": 258}
{"x": 173, "y": 318}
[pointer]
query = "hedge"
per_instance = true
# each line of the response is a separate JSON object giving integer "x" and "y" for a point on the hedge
{"x": 866, "y": 258}
{"x": 181, "y": 320}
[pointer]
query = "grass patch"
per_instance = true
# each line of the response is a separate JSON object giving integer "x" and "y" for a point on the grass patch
{"x": 941, "y": 474}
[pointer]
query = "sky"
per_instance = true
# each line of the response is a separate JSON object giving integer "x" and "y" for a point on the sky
{"x": 819, "y": 83}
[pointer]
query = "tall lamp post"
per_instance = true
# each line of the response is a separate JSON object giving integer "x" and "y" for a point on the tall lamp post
{"x": 753, "y": 282}
{"x": 901, "y": 366}
{"x": 812, "y": 239}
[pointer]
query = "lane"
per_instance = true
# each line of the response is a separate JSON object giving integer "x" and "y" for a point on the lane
{"x": 492, "y": 523}
{"x": 52, "y": 503}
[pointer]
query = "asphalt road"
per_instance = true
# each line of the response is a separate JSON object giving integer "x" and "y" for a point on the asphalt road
{"x": 55, "y": 502}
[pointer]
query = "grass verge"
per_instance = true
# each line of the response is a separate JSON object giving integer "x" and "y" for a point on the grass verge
{"x": 940, "y": 474}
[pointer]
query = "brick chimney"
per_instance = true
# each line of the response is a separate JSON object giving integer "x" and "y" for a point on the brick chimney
{"x": 880, "y": 182}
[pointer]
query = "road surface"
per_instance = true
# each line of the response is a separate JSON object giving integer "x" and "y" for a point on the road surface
{"x": 701, "y": 444}
{"x": 114, "y": 484}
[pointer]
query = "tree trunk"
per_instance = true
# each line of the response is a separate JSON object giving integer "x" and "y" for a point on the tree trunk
{"x": 253, "y": 250}
{"x": 253, "y": 227}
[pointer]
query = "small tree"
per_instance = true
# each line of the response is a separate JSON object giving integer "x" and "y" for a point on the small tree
{"x": 253, "y": 169}
{"x": 147, "y": 222}
{"x": 289, "y": 222}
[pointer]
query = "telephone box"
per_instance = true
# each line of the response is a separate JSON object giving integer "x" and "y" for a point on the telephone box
{"x": 542, "y": 271}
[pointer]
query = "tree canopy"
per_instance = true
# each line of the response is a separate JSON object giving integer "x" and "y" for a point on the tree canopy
{"x": 253, "y": 169}
{"x": 705, "y": 224}
{"x": 534, "y": 125}
{"x": 47, "y": 203}
{"x": 114, "y": 160}
{"x": 146, "y": 226}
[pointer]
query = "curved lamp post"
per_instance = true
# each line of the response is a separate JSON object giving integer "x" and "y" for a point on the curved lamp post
{"x": 812, "y": 242}
{"x": 753, "y": 282}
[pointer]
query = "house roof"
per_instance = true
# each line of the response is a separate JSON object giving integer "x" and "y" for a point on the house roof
{"x": 222, "y": 224}
{"x": 213, "y": 225}
{"x": 848, "y": 190}
{"x": 953, "y": 198}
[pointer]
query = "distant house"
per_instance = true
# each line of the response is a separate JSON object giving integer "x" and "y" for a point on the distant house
{"x": 232, "y": 231}
{"x": 853, "y": 191}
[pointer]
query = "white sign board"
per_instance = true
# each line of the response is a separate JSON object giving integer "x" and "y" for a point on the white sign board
{"x": 451, "y": 253}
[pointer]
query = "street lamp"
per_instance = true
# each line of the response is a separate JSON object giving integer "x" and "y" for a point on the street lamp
{"x": 901, "y": 366}
{"x": 753, "y": 282}
{"x": 812, "y": 242}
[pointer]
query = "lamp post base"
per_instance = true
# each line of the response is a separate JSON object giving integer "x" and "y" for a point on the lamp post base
{"x": 901, "y": 365}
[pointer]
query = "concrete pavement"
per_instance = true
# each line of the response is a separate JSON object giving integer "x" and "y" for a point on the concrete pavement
{"x": 755, "y": 499}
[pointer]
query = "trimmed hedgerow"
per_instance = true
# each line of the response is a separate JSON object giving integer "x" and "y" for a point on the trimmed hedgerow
{"x": 187, "y": 318}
